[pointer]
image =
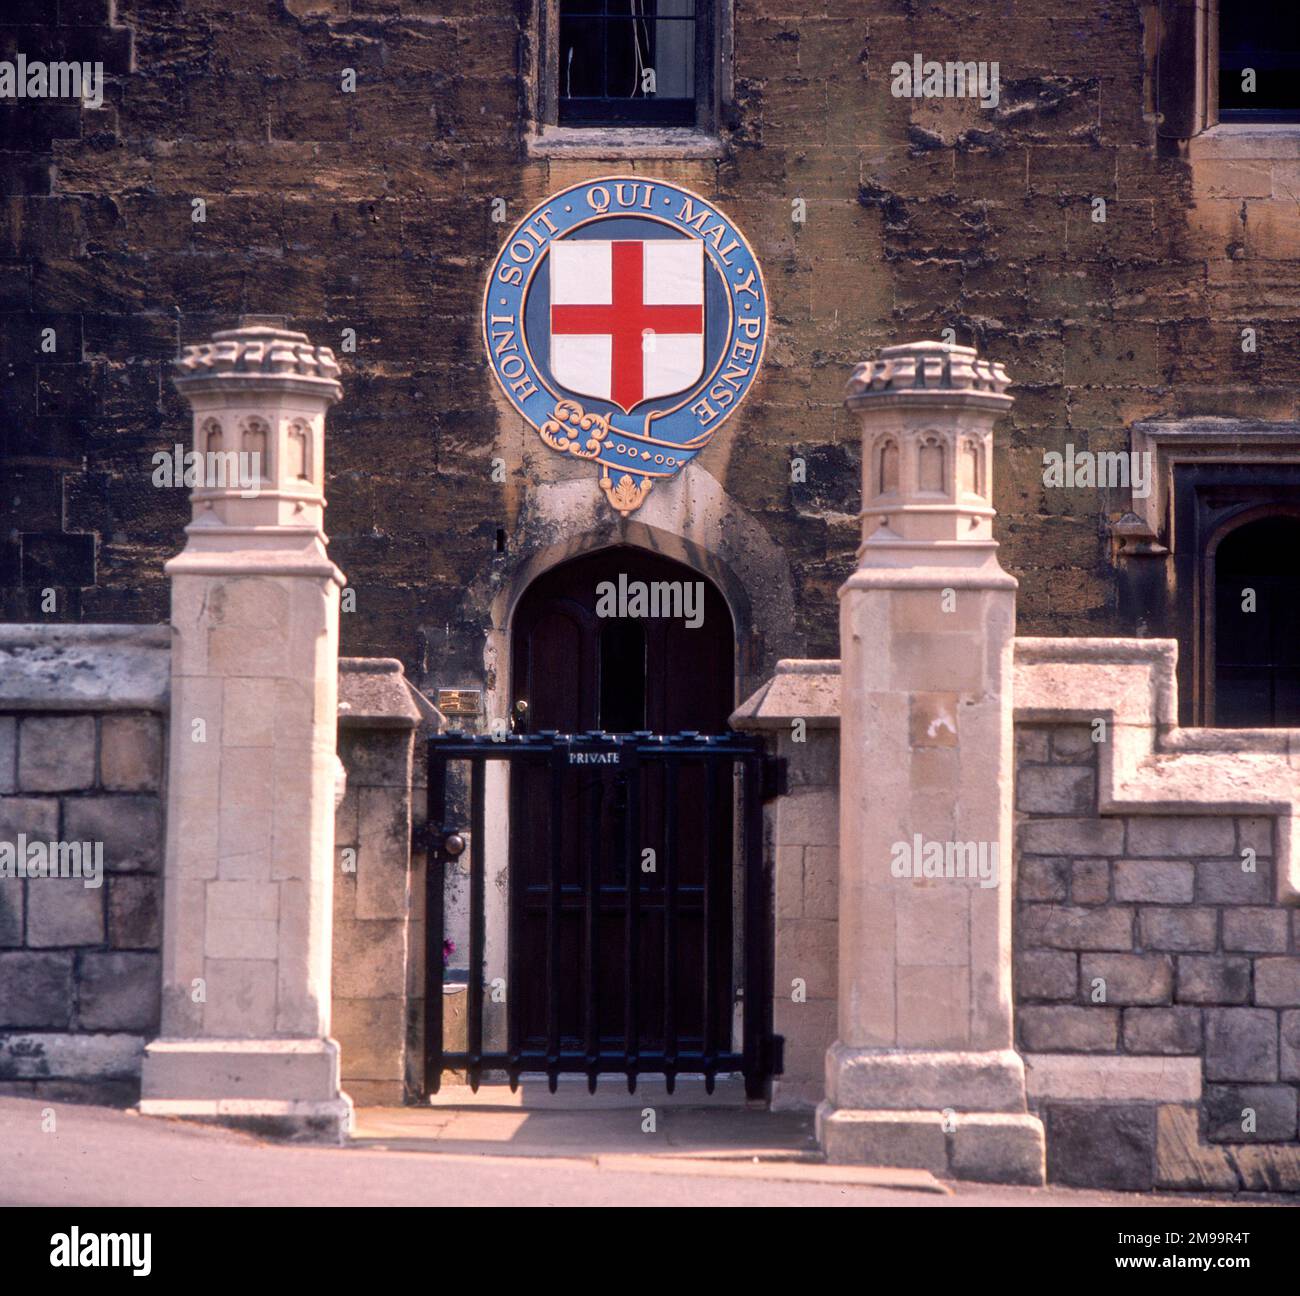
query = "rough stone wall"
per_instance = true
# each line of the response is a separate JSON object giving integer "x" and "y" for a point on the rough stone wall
{"x": 372, "y": 211}
{"x": 79, "y": 968}
{"x": 76, "y": 515}
{"x": 1143, "y": 944}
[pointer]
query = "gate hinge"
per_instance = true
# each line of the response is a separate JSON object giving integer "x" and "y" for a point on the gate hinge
{"x": 775, "y": 777}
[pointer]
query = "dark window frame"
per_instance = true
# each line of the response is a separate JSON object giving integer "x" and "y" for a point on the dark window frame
{"x": 1264, "y": 116}
{"x": 1230, "y": 526}
{"x": 711, "y": 57}
{"x": 1208, "y": 501}
{"x": 1187, "y": 73}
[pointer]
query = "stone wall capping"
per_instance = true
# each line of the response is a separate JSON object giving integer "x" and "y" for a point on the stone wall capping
{"x": 1148, "y": 765}
{"x": 374, "y": 694}
{"x": 1033, "y": 649}
{"x": 39, "y": 634}
{"x": 801, "y": 689}
{"x": 127, "y": 667}
{"x": 84, "y": 667}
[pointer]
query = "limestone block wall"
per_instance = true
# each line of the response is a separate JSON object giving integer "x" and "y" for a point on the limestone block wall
{"x": 82, "y": 737}
{"x": 922, "y": 214}
{"x": 1157, "y": 945}
{"x": 377, "y": 956}
{"x": 371, "y": 909}
{"x": 805, "y": 851}
{"x": 797, "y": 711}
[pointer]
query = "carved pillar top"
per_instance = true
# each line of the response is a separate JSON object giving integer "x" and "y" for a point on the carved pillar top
{"x": 255, "y": 463}
{"x": 253, "y": 354}
{"x": 926, "y": 410}
{"x": 927, "y": 368}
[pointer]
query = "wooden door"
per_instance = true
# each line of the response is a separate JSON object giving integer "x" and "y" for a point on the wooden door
{"x": 577, "y": 670}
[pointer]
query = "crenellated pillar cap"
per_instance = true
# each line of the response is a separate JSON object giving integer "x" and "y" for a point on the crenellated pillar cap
{"x": 254, "y": 354}
{"x": 928, "y": 369}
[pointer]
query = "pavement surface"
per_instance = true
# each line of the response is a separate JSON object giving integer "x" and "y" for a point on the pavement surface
{"x": 473, "y": 1155}
{"x": 477, "y": 1128}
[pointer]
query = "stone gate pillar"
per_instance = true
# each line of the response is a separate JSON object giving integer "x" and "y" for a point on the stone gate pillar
{"x": 924, "y": 1073}
{"x": 251, "y": 778}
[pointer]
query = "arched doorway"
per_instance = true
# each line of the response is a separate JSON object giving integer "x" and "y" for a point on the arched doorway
{"x": 585, "y": 655}
{"x": 1256, "y": 634}
{"x": 636, "y": 940}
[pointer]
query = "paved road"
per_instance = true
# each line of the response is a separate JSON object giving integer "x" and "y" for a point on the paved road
{"x": 102, "y": 1157}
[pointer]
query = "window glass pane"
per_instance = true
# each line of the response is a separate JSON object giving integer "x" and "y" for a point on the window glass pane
{"x": 1266, "y": 40}
{"x": 582, "y": 58}
{"x": 626, "y": 53}
{"x": 674, "y": 56}
{"x": 623, "y": 61}
{"x": 1256, "y": 626}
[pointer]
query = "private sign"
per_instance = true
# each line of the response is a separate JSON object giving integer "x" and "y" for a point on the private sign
{"x": 626, "y": 320}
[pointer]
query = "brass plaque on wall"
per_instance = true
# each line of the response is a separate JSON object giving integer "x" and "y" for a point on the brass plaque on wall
{"x": 459, "y": 702}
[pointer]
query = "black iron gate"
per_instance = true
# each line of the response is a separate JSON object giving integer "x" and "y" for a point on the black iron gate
{"x": 621, "y": 957}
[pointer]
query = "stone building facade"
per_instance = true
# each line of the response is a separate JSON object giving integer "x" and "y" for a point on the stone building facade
{"x": 373, "y": 211}
{"x": 1102, "y": 221}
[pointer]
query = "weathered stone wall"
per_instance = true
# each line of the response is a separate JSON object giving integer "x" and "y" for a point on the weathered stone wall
{"x": 82, "y": 758}
{"x": 79, "y": 964}
{"x": 372, "y": 211}
{"x": 804, "y": 828}
{"x": 372, "y": 900}
{"x": 797, "y": 711}
{"x": 1156, "y": 970}
{"x": 376, "y": 955}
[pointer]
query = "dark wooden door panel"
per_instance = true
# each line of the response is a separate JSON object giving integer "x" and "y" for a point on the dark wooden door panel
{"x": 577, "y": 671}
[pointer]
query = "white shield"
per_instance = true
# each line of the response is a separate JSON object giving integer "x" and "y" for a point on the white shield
{"x": 627, "y": 317}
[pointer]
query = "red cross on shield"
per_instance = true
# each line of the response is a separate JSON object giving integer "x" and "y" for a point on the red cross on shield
{"x": 627, "y": 317}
